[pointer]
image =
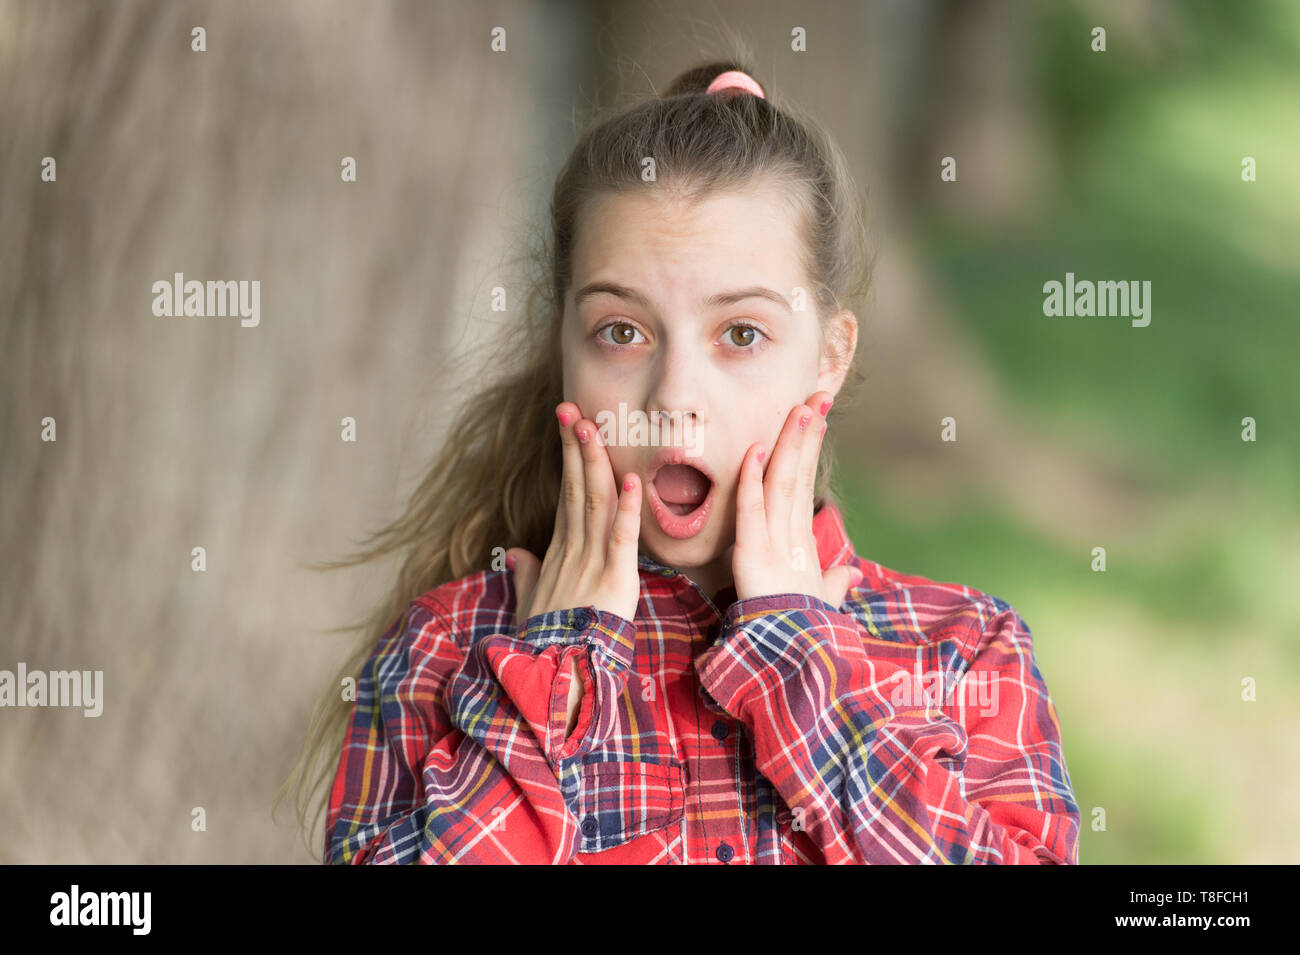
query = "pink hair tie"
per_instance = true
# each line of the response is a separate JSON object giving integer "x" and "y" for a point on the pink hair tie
{"x": 735, "y": 79}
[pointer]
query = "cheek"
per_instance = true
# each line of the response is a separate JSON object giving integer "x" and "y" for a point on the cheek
{"x": 588, "y": 380}
{"x": 765, "y": 422}
{"x": 598, "y": 391}
{"x": 586, "y": 387}
{"x": 762, "y": 426}
{"x": 622, "y": 461}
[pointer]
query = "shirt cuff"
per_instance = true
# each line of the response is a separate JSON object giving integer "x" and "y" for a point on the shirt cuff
{"x": 744, "y": 610}
{"x": 607, "y": 632}
{"x": 609, "y": 643}
{"x": 765, "y": 639}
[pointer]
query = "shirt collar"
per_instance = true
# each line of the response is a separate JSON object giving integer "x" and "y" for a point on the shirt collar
{"x": 833, "y": 544}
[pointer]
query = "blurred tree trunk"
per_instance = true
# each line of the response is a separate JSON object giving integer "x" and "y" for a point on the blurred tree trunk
{"x": 175, "y": 433}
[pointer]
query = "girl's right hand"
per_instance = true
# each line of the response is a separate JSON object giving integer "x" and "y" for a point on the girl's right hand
{"x": 593, "y": 551}
{"x": 592, "y": 559}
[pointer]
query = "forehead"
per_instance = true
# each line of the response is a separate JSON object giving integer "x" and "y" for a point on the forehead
{"x": 667, "y": 243}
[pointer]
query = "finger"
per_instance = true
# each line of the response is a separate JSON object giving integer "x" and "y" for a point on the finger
{"x": 838, "y": 581}
{"x": 751, "y": 511}
{"x": 566, "y": 413}
{"x": 782, "y": 479}
{"x": 625, "y": 533}
{"x": 809, "y": 455}
{"x": 568, "y": 514}
{"x": 599, "y": 498}
{"x": 821, "y": 401}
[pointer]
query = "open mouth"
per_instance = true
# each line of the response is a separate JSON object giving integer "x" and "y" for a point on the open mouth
{"x": 681, "y": 497}
{"x": 682, "y": 487}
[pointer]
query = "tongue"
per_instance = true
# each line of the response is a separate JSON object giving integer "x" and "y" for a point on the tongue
{"x": 681, "y": 484}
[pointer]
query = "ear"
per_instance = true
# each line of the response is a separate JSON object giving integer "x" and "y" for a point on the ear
{"x": 841, "y": 341}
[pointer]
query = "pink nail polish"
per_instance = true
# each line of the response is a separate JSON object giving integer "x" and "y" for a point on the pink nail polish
{"x": 826, "y": 406}
{"x": 565, "y": 418}
{"x": 628, "y": 484}
{"x": 761, "y": 455}
{"x": 803, "y": 421}
{"x": 582, "y": 435}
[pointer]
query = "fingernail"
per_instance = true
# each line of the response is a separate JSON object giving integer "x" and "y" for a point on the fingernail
{"x": 761, "y": 454}
{"x": 803, "y": 421}
{"x": 628, "y": 484}
{"x": 565, "y": 417}
{"x": 826, "y": 406}
{"x": 582, "y": 435}
{"x": 510, "y": 561}
{"x": 855, "y": 576}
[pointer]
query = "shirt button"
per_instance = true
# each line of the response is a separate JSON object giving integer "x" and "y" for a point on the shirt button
{"x": 581, "y": 619}
{"x": 590, "y": 827}
{"x": 720, "y": 731}
{"x": 725, "y": 852}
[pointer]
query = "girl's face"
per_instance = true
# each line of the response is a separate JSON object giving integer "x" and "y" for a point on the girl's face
{"x": 667, "y": 314}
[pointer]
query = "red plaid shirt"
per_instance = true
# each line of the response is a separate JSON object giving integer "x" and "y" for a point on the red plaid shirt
{"x": 910, "y": 724}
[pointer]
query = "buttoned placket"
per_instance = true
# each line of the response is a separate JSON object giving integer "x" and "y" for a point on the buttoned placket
{"x": 724, "y": 852}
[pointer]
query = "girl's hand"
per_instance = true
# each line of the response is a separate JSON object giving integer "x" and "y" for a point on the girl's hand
{"x": 592, "y": 559}
{"x": 593, "y": 551}
{"x": 776, "y": 552}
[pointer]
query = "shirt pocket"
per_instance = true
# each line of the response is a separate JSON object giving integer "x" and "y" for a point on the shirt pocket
{"x": 622, "y": 800}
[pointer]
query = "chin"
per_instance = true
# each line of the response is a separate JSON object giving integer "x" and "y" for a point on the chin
{"x": 697, "y": 551}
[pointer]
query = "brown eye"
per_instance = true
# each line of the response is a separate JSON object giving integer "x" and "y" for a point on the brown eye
{"x": 619, "y": 334}
{"x": 743, "y": 335}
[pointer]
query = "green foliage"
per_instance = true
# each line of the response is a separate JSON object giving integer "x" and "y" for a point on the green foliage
{"x": 1150, "y": 135}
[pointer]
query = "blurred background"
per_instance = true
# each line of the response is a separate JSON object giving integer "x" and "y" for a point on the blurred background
{"x": 1074, "y": 433}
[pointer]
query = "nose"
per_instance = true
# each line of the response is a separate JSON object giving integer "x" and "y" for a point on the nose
{"x": 676, "y": 426}
{"x": 676, "y": 429}
{"x": 675, "y": 392}
{"x": 674, "y": 418}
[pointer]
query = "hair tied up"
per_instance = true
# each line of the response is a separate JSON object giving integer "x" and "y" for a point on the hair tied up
{"x": 736, "y": 80}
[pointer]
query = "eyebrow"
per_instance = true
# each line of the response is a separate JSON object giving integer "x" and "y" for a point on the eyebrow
{"x": 713, "y": 301}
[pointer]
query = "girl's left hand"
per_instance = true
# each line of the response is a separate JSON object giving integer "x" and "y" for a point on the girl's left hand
{"x": 776, "y": 552}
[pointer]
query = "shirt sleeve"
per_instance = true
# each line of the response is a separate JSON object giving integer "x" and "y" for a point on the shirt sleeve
{"x": 874, "y": 766}
{"x": 459, "y": 755}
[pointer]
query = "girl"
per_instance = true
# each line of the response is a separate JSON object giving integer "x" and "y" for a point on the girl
{"x": 700, "y": 668}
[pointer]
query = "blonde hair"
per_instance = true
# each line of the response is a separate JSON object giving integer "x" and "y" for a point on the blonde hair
{"x": 496, "y": 480}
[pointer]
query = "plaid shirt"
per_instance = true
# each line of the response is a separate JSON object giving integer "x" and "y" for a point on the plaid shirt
{"x": 909, "y": 725}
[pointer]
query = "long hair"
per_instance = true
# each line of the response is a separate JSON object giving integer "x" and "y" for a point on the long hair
{"x": 496, "y": 481}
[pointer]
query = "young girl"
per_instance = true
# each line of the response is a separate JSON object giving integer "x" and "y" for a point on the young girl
{"x": 699, "y": 668}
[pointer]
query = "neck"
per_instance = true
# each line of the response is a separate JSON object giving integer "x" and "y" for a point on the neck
{"x": 713, "y": 576}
